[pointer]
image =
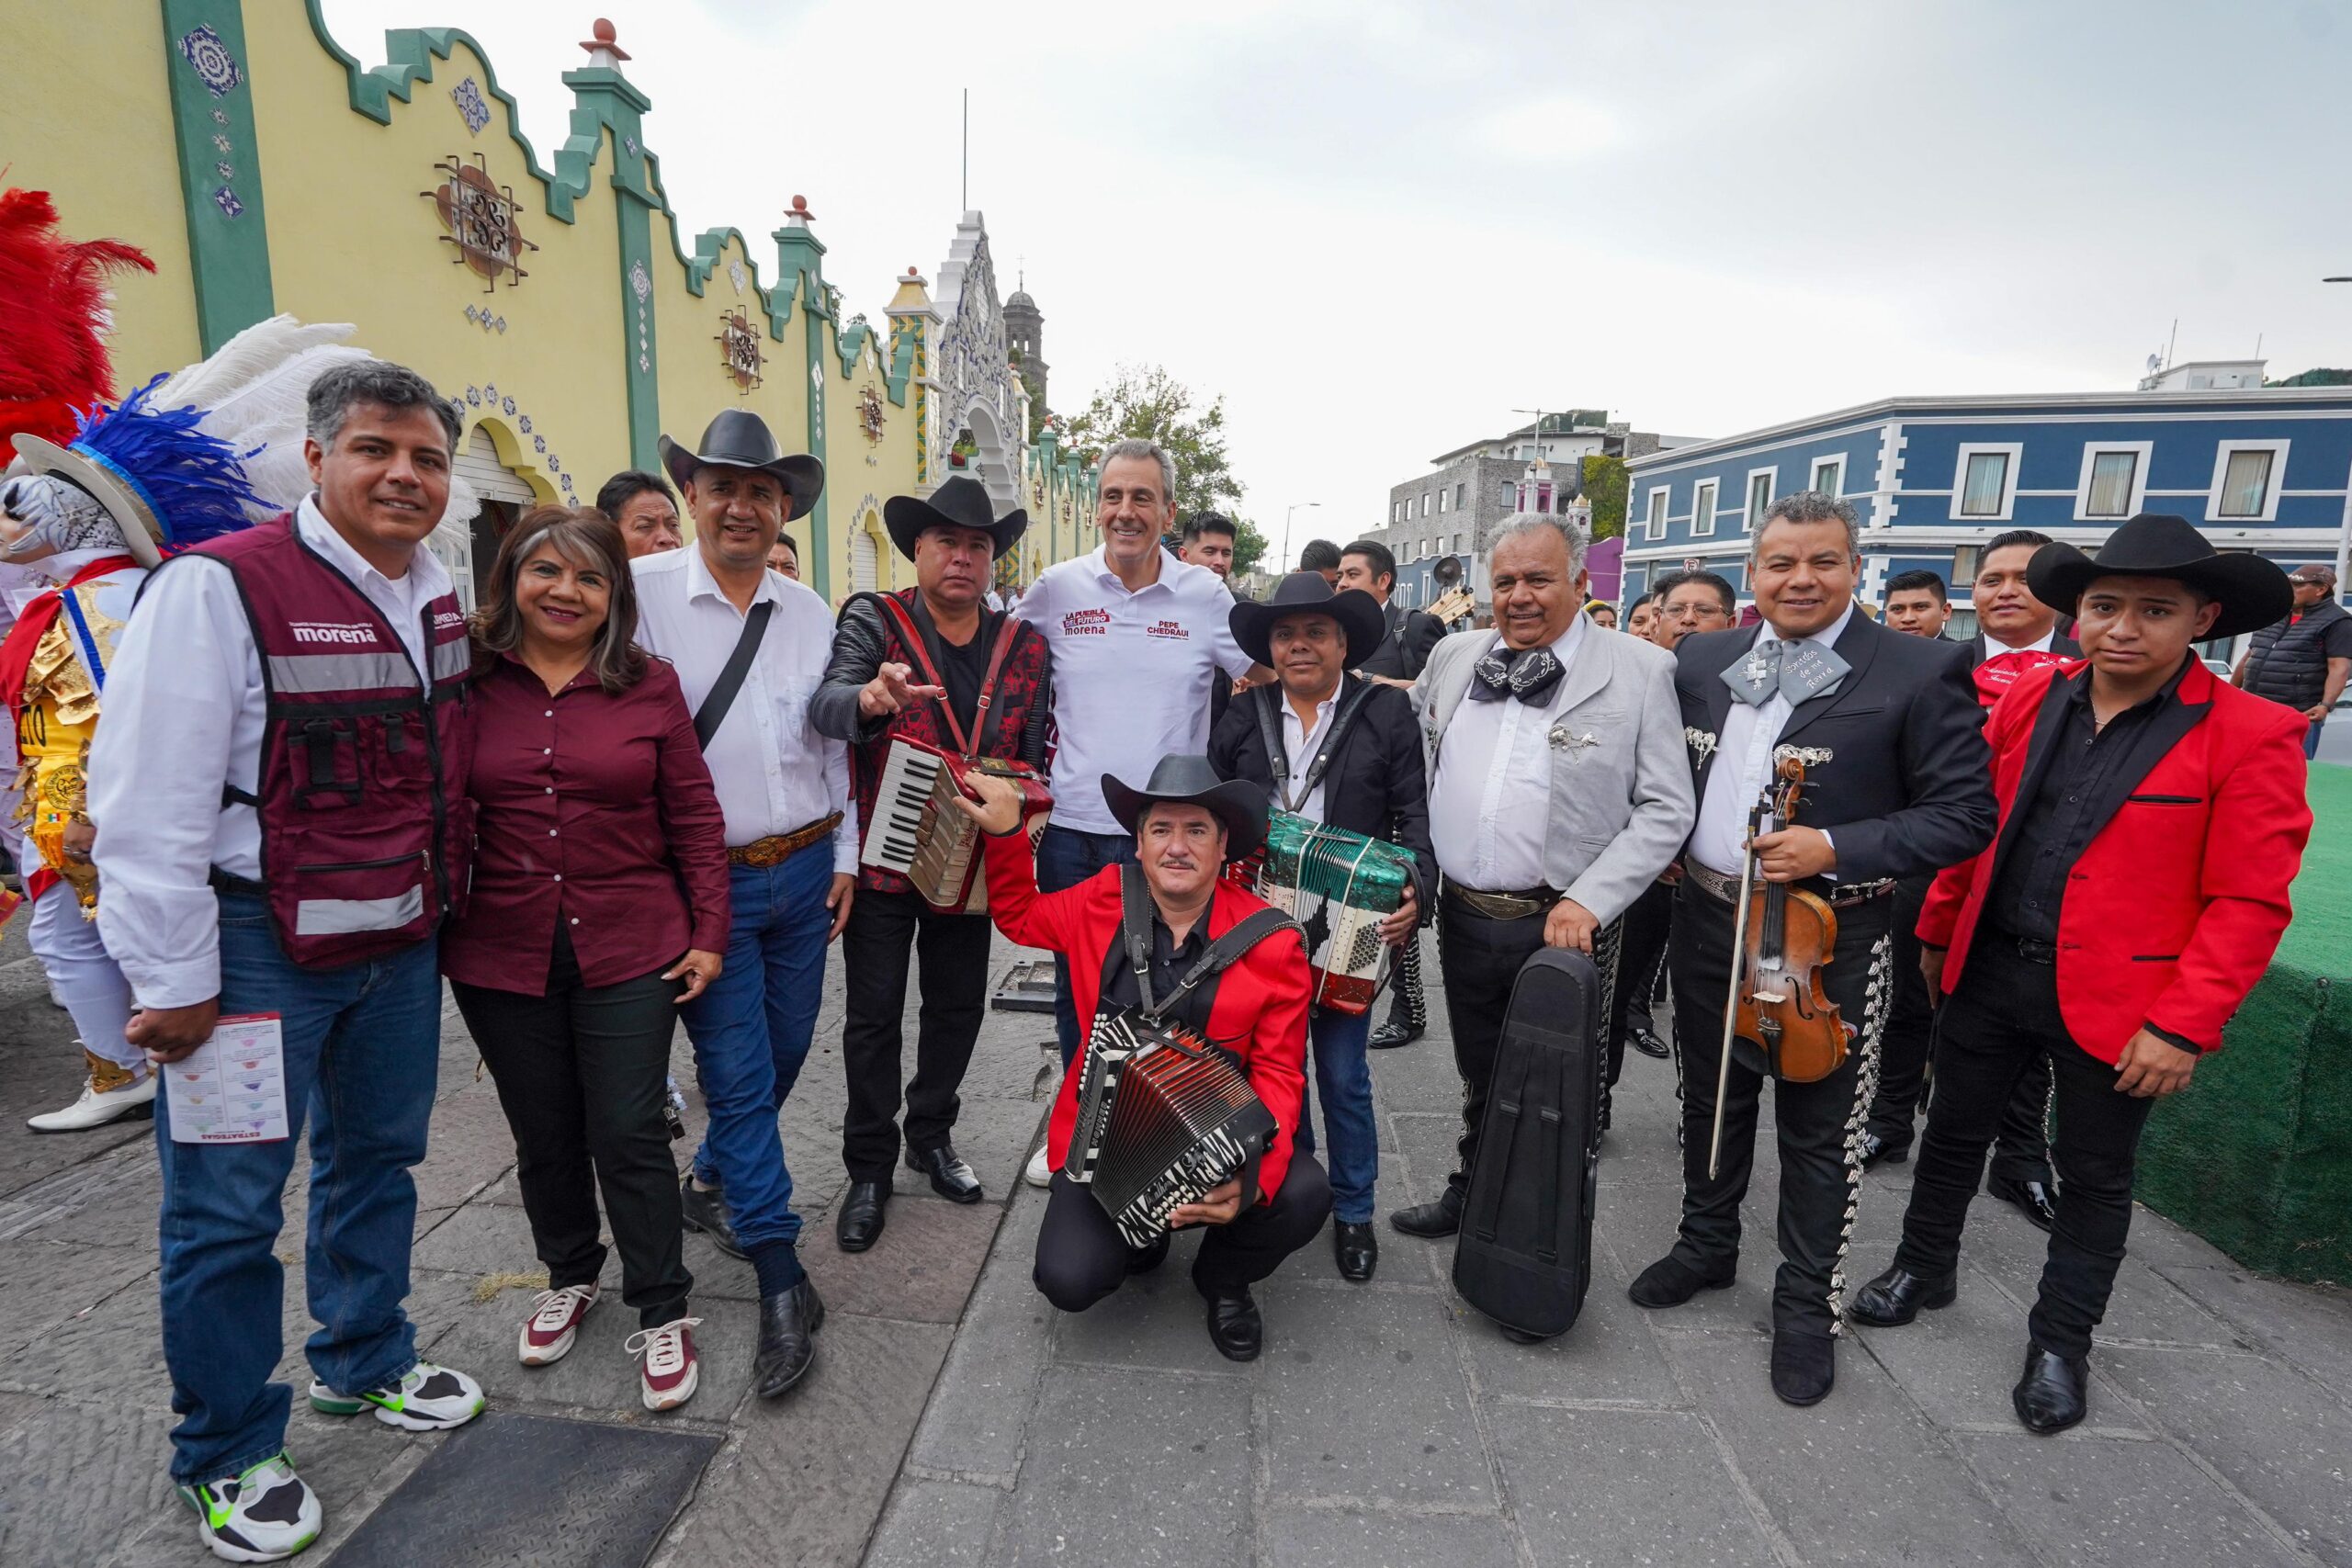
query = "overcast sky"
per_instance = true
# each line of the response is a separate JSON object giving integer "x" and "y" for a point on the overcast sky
{"x": 1376, "y": 228}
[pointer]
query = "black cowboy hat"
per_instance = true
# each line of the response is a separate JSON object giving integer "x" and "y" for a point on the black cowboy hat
{"x": 738, "y": 438}
{"x": 1361, "y": 619}
{"x": 962, "y": 502}
{"x": 2253, "y": 593}
{"x": 1190, "y": 781}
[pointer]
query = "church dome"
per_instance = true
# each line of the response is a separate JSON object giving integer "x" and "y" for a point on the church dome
{"x": 1020, "y": 301}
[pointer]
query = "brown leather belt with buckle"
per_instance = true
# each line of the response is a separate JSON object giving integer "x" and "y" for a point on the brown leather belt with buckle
{"x": 1841, "y": 895}
{"x": 1504, "y": 905}
{"x": 777, "y": 848}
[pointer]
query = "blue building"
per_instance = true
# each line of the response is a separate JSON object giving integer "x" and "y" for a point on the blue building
{"x": 2261, "y": 468}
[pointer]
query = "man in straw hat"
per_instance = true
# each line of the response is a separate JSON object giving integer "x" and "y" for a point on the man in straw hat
{"x": 930, "y": 664}
{"x": 1252, "y": 1006}
{"x": 2151, "y": 819}
{"x": 748, "y": 646}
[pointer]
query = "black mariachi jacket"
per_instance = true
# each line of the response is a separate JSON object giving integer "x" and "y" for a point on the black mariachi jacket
{"x": 865, "y": 638}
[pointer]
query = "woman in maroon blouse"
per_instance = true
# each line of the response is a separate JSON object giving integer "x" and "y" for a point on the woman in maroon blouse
{"x": 599, "y": 904}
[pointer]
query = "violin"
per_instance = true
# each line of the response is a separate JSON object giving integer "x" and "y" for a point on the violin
{"x": 1786, "y": 936}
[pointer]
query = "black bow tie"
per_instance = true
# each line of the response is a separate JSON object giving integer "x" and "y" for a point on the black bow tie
{"x": 1526, "y": 673}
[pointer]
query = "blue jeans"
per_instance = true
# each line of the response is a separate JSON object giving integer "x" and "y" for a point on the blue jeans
{"x": 2311, "y": 738}
{"x": 751, "y": 1030}
{"x": 1343, "y": 1076}
{"x": 1066, "y": 857}
{"x": 363, "y": 1050}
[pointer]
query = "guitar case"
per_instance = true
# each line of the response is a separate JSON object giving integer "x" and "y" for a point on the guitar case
{"x": 1523, "y": 1255}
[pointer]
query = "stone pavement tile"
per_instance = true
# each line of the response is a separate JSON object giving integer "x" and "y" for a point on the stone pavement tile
{"x": 1365, "y": 1401}
{"x": 109, "y": 1201}
{"x": 2099, "y": 1503}
{"x": 470, "y": 1146}
{"x": 937, "y": 1524}
{"x": 994, "y": 1136}
{"x": 1610, "y": 1355}
{"x": 81, "y": 1477}
{"x": 804, "y": 1478}
{"x": 490, "y": 1238}
{"x": 1859, "y": 1479}
{"x": 1637, "y": 1224}
{"x": 921, "y": 1269}
{"x": 16, "y": 1409}
{"x": 1622, "y": 1489}
{"x": 1419, "y": 1078}
{"x": 600, "y": 1376}
{"x": 1424, "y": 1157}
{"x": 44, "y": 1283}
{"x": 1154, "y": 1322}
{"x": 2159, "y": 1243}
{"x": 975, "y": 1421}
{"x": 1353, "y": 1537}
{"x": 2275, "y": 1436}
{"x": 1133, "y": 1469}
{"x": 2146, "y": 1308}
{"x": 2309, "y": 1326}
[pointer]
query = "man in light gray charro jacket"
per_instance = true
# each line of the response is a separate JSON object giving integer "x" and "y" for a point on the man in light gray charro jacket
{"x": 1559, "y": 788}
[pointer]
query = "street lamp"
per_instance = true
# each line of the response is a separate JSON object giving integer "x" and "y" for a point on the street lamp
{"x": 1294, "y": 507}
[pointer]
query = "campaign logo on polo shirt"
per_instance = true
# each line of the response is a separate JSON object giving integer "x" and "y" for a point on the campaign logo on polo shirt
{"x": 1175, "y": 629}
{"x": 1087, "y": 623}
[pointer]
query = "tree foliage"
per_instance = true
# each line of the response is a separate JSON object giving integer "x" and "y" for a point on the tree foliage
{"x": 1145, "y": 401}
{"x": 1250, "y": 546}
{"x": 1605, "y": 486}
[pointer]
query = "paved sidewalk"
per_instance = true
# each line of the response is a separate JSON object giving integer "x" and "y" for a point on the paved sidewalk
{"x": 1388, "y": 1425}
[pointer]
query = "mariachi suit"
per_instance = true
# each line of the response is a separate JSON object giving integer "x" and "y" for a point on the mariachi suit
{"x": 2168, "y": 917}
{"x": 1901, "y": 784}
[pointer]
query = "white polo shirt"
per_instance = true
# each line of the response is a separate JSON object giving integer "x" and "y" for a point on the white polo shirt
{"x": 1132, "y": 673}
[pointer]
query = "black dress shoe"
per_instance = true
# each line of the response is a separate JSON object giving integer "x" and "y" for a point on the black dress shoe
{"x": 2049, "y": 1398}
{"x": 788, "y": 1325}
{"x": 1144, "y": 1259}
{"x": 1235, "y": 1327}
{"x": 704, "y": 1209}
{"x": 857, "y": 1224}
{"x": 1895, "y": 1297}
{"x": 1804, "y": 1366}
{"x": 1390, "y": 1035}
{"x": 1355, "y": 1247}
{"x": 950, "y": 1177}
{"x": 1647, "y": 1041}
{"x": 1443, "y": 1217}
{"x": 2033, "y": 1199}
{"x": 1669, "y": 1281}
{"x": 1876, "y": 1150}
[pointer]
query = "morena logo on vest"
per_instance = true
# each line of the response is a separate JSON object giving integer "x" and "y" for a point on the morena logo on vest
{"x": 324, "y": 631}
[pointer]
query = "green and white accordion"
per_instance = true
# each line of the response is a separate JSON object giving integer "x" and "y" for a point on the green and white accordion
{"x": 1338, "y": 887}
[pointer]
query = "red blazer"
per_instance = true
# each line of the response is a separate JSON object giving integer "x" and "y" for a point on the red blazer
{"x": 2174, "y": 909}
{"x": 1260, "y": 1007}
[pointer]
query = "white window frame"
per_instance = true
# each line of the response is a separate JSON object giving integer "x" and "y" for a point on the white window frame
{"x": 1710, "y": 490}
{"x": 1654, "y": 520}
{"x": 2269, "y": 512}
{"x": 1750, "y": 514}
{"x": 2144, "y": 451}
{"x": 1837, "y": 466}
{"x": 1445, "y": 499}
{"x": 2013, "y": 451}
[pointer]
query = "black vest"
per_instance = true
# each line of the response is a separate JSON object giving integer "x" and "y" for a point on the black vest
{"x": 2288, "y": 662}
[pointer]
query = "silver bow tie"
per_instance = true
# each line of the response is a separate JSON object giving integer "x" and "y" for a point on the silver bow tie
{"x": 1796, "y": 671}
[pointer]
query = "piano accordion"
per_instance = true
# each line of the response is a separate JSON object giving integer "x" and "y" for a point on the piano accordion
{"x": 1163, "y": 1119}
{"x": 1338, "y": 887}
{"x": 917, "y": 833}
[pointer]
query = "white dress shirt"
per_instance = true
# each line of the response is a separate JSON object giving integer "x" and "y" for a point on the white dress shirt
{"x": 1299, "y": 744}
{"x": 1131, "y": 672}
{"x": 1490, "y": 802}
{"x": 183, "y": 716}
{"x": 1995, "y": 646}
{"x": 1744, "y": 762}
{"x": 773, "y": 770}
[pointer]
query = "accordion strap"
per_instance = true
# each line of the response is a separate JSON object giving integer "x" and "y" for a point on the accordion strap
{"x": 967, "y": 747}
{"x": 1353, "y": 694}
{"x": 1135, "y": 916}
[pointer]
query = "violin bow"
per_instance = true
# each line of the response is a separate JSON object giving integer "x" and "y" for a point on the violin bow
{"x": 1757, "y": 818}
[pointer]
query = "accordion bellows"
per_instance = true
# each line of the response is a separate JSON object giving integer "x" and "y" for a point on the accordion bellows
{"x": 1338, "y": 887}
{"x": 1163, "y": 1119}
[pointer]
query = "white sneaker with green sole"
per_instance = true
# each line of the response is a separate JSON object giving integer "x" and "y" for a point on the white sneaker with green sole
{"x": 429, "y": 1399}
{"x": 267, "y": 1515}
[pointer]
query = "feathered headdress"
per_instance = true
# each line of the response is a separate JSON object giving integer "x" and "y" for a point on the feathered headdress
{"x": 53, "y": 363}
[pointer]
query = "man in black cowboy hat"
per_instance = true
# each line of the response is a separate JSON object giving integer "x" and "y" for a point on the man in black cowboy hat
{"x": 1344, "y": 751}
{"x": 748, "y": 646}
{"x": 930, "y": 664}
{"x": 1187, "y": 823}
{"x": 2151, "y": 819}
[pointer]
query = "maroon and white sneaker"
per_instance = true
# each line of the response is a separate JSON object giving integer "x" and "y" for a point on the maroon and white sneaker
{"x": 554, "y": 1322}
{"x": 667, "y": 1366}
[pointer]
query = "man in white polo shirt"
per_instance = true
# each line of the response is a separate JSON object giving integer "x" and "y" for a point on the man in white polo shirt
{"x": 1138, "y": 637}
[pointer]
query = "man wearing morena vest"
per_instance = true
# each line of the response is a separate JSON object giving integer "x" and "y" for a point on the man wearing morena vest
{"x": 933, "y": 666}
{"x": 281, "y": 828}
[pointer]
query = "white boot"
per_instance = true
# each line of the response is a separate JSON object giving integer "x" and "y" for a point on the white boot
{"x": 111, "y": 1092}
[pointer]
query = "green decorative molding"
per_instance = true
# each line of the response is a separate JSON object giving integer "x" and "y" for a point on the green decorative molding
{"x": 219, "y": 153}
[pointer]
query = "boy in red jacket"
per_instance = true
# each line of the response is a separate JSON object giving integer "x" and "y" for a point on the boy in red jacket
{"x": 2152, "y": 820}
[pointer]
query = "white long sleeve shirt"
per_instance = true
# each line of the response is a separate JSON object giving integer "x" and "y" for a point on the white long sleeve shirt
{"x": 183, "y": 716}
{"x": 1490, "y": 802}
{"x": 773, "y": 770}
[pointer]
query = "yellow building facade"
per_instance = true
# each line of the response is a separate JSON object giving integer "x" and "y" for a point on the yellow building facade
{"x": 554, "y": 301}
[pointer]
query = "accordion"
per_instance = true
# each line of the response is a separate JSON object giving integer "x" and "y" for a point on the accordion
{"x": 1338, "y": 887}
{"x": 917, "y": 833}
{"x": 1163, "y": 1119}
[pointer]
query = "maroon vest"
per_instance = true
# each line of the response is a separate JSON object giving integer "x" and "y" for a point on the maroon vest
{"x": 367, "y": 835}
